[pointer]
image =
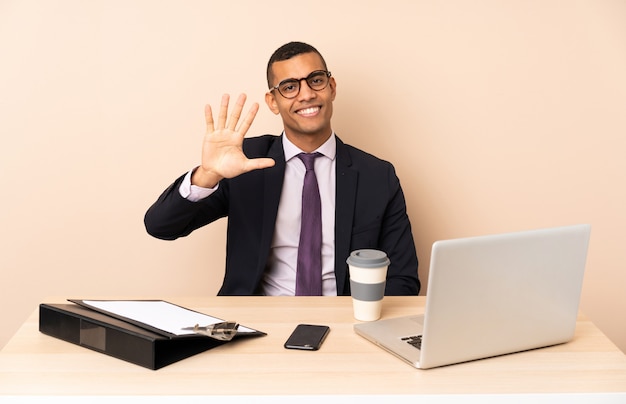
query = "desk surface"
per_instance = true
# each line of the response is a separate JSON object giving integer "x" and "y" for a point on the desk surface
{"x": 34, "y": 363}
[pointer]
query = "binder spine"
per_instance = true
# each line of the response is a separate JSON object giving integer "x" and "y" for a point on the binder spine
{"x": 98, "y": 336}
{"x": 114, "y": 337}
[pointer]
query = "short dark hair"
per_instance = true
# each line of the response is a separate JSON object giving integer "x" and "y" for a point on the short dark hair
{"x": 287, "y": 51}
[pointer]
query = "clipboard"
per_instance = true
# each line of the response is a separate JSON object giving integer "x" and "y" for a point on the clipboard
{"x": 160, "y": 316}
{"x": 128, "y": 339}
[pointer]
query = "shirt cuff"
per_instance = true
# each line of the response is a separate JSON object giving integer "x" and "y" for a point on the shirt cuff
{"x": 194, "y": 193}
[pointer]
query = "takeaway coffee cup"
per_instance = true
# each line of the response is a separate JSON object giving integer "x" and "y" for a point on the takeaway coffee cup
{"x": 368, "y": 272}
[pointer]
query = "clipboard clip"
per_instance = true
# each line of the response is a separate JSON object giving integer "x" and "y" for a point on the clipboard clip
{"x": 224, "y": 331}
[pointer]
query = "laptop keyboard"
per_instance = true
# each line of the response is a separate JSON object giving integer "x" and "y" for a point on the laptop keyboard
{"x": 414, "y": 340}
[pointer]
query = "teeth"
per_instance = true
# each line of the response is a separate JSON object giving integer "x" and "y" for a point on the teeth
{"x": 308, "y": 111}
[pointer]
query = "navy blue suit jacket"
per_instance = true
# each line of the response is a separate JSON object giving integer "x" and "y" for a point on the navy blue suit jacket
{"x": 370, "y": 213}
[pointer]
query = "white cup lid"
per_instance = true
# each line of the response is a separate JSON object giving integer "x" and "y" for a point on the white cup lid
{"x": 367, "y": 258}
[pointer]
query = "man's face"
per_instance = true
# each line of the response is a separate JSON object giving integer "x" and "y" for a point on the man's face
{"x": 308, "y": 114}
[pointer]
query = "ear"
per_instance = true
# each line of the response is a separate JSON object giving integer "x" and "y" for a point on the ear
{"x": 270, "y": 100}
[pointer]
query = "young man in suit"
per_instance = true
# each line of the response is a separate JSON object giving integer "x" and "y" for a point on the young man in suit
{"x": 258, "y": 184}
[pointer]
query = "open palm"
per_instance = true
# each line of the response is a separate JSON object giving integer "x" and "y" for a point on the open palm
{"x": 222, "y": 153}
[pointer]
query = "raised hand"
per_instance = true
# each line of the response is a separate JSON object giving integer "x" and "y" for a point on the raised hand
{"x": 222, "y": 154}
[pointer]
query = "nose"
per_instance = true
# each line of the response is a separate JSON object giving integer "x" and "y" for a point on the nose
{"x": 306, "y": 92}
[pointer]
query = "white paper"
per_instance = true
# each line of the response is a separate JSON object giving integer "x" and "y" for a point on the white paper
{"x": 159, "y": 314}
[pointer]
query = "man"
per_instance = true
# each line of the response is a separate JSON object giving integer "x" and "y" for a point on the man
{"x": 258, "y": 183}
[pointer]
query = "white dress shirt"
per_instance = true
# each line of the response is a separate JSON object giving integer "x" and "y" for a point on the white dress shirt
{"x": 280, "y": 276}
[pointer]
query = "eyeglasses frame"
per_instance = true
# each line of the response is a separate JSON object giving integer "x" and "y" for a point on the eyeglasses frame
{"x": 306, "y": 79}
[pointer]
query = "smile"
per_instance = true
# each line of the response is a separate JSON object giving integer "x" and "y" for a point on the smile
{"x": 308, "y": 111}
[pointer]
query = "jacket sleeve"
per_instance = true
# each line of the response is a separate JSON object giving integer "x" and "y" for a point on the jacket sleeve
{"x": 173, "y": 216}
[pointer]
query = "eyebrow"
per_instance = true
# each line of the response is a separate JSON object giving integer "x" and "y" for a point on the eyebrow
{"x": 323, "y": 69}
{"x": 302, "y": 78}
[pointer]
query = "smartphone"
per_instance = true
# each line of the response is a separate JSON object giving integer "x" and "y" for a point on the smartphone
{"x": 307, "y": 336}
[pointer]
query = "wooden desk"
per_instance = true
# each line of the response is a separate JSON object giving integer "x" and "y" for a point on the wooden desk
{"x": 37, "y": 364}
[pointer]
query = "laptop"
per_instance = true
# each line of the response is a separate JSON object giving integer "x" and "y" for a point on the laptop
{"x": 491, "y": 295}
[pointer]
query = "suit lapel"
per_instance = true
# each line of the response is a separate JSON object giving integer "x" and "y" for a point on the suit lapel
{"x": 346, "y": 183}
{"x": 273, "y": 178}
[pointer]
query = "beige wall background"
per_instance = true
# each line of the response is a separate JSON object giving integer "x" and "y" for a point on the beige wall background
{"x": 499, "y": 116}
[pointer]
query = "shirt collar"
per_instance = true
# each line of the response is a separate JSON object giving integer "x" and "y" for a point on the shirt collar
{"x": 328, "y": 149}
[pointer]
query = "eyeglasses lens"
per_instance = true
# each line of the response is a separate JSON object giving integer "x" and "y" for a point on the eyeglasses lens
{"x": 317, "y": 81}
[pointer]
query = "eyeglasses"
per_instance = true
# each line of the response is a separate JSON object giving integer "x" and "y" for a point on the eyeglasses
{"x": 290, "y": 88}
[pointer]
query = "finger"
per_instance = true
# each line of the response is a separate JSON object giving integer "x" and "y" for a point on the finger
{"x": 208, "y": 117}
{"x": 221, "y": 117}
{"x": 258, "y": 163}
{"x": 247, "y": 122}
{"x": 236, "y": 114}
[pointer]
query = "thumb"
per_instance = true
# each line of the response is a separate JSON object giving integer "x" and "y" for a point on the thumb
{"x": 257, "y": 164}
